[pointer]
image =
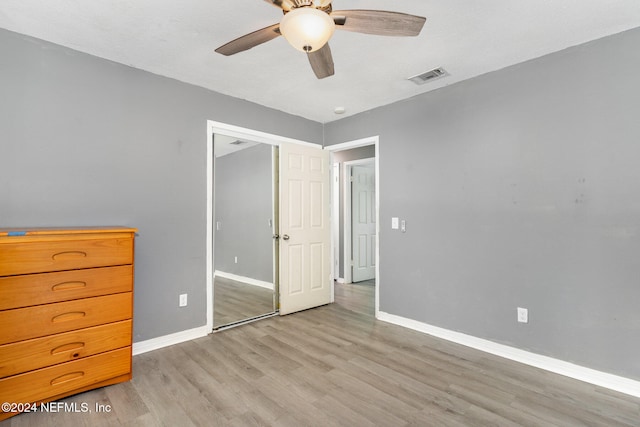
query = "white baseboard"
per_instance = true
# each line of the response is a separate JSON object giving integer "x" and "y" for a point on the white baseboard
{"x": 341, "y": 280}
{"x": 171, "y": 339}
{"x": 247, "y": 280}
{"x": 599, "y": 378}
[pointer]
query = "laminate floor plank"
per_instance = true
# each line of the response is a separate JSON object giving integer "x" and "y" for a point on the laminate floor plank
{"x": 293, "y": 404}
{"x": 338, "y": 366}
{"x": 275, "y": 360}
{"x": 204, "y": 398}
{"x": 158, "y": 390}
{"x": 341, "y": 414}
{"x": 304, "y": 359}
{"x": 248, "y": 419}
{"x": 126, "y": 402}
{"x": 369, "y": 402}
{"x": 411, "y": 390}
{"x": 493, "y": 402}
{"x": 481, "y": 417}
{"x": 437, "y": 417}
{"x": 564, "y": 411}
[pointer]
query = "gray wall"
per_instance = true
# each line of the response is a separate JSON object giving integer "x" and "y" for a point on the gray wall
{"x": 85, "y": 141}
{"x": 520, "y": 188}
{"x": 340, "y": 157}
{"x": 243, "y": 207}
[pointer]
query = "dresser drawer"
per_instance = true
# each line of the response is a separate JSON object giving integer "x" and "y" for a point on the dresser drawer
{"x": 44, "y": 288}
{"x": 21, "y": 256}
{"x": 56, "y": 380}
{"x": 38, "y": 353}
{"x": 38, "y": 321}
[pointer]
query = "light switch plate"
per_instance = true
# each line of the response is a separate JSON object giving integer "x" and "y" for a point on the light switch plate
{"x": 523, "y": 315}
{"x": 395, "y": 223}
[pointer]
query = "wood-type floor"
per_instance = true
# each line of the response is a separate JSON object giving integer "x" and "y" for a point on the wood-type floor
{"x": 234, "y": 301}
{"x": 337, "y": 366}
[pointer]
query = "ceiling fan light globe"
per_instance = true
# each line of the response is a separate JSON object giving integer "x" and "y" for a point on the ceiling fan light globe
{"x": 307, "y": 29}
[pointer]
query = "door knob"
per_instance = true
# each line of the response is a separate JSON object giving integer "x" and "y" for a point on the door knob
{"x": 285, "y": 237}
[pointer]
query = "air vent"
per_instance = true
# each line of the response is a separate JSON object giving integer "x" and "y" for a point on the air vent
{"x": 428, "y": 76}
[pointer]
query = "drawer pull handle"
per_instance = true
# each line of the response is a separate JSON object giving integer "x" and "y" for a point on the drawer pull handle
{"x": 60, "y": 256}
{"x": 68, "y": 316}
{"x": 67, "y": 377}
{"x": 67, "y": 347}
{"x": 66, "y": 286}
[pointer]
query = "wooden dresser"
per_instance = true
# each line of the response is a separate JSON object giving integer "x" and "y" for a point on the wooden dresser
{"x": 66, "y": 308}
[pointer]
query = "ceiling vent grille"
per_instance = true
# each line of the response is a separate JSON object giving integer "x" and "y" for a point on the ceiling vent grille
{"x": 428, "y": 76}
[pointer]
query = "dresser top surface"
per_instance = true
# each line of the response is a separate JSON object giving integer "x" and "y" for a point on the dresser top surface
{"x": 43, "y": 231}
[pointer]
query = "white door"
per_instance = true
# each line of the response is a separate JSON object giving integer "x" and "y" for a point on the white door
{"x": 363, "y": 223}
{"x": 305, "y": 228}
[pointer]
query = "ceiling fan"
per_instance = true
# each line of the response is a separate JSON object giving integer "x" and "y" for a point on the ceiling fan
{"x": 309, "y": 24}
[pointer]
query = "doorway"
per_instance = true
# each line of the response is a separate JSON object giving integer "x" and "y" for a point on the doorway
{"x": 344, "y": 157}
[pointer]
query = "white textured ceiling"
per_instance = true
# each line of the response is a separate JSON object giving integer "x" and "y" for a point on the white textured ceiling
{"x": 177, "y": 39}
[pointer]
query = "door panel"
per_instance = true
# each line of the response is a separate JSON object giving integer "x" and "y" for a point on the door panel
{"x": 363, "y": 227}
{"x": 305, "y": 244}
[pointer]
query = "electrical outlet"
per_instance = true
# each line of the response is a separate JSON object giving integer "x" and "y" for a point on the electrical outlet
{"x": 183, "y": 300}
{"x": 523, "y": 315}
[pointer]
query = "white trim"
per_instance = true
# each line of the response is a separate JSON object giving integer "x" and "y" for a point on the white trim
{"x": 335, "y": 219}
{"x": 591, "y": 376}
{"x": 243, "y": 279}
{"x": 254, "y": 135}
{"x": 209, "y": 234}
{"x": 353, "y": 144}
{"x": 341, "y": 280}
{"x": 378, "y": 281}
{"x": 171, "y": 339}
{"x": 360, "y": 162}
{"x": 275, "y": 224}
{"x": 346, "y": 225}
{"x": 222, "y": 328}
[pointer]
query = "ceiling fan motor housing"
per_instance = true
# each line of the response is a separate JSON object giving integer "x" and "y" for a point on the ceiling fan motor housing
{"x": 322, "y": 5}
{"x": 306, "y": 28}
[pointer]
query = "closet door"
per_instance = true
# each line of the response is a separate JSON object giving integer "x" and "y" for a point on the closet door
{"x": 305, "y": 228}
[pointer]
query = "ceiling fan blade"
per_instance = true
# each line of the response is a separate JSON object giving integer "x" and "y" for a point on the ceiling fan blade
{"x": 378, "y": 22}
{"x": 321, "y": 62}
{"x": 250, "y": 40}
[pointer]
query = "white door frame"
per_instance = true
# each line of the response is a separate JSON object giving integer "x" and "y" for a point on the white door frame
{"x": 214, "y": 127}
{"x": 348, "y": 238}
{"x": 373, "y": 140}
{"x": 335, "y": 220}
